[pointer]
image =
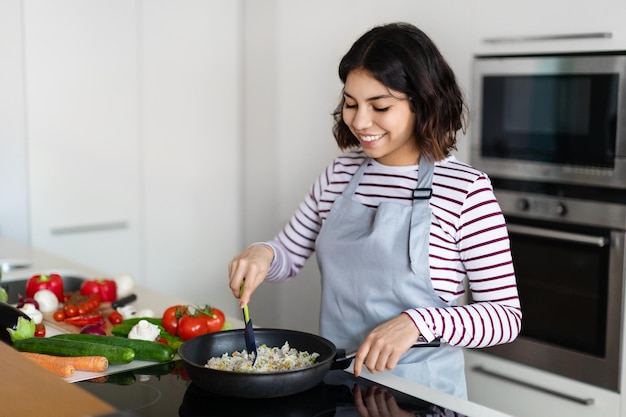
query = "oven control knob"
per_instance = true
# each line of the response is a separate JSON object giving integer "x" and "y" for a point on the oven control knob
{"x": 523, "y": 204}
{"x": 561, "y": 209}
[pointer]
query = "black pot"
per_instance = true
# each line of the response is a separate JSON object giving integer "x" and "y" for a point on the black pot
{"x": 197, "y": 351}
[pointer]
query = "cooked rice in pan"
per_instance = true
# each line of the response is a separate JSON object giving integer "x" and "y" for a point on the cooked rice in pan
{"x": 269, "y": 360}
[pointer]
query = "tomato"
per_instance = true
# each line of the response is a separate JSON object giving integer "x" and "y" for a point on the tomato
{"x": 191, "y": 321}
{"x": 90, "y": 304}
{"x": 40, "y": 330}
{"x": 190, "y": 326}
{"x": 71, "y": 310}
{"x": 115, "y": 317}
{"x": 214, "y": 317}
{"x": 170, "y": 318}
{"x": 59, "y": 315}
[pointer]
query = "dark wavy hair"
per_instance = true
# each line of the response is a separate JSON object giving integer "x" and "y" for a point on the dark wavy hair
{"x": 405, "y": 59}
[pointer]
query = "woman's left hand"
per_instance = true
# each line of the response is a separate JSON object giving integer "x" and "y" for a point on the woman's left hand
{"x": 383, "y": 346}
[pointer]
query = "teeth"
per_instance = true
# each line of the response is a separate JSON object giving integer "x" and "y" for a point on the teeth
{"x": 371, "y": 138}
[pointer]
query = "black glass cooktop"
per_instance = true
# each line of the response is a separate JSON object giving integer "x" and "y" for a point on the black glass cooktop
{"x": 165, "y": 390}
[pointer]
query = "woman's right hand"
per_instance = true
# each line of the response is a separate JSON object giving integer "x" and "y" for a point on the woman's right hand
{"x": 250, "y": 267}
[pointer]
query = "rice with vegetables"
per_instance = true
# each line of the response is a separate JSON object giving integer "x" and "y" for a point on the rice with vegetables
{"x": 273, "y": 359}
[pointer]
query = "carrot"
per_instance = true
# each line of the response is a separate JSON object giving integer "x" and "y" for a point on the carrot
{"x": 90, "y": 363}
{"x": 79, "y": 363}
{"x": 61, "y": 369}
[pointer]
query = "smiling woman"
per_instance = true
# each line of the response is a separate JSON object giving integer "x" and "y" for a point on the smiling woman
{"x": 397, "y": 222}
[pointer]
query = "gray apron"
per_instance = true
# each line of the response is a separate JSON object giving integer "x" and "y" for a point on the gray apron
{"x": 374, "y": 265}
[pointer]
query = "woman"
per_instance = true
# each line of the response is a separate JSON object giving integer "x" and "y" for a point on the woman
{"x": 398, "y": 223}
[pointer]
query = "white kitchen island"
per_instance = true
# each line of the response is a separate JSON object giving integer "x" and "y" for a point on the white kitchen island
{"x": 27, "y": 261}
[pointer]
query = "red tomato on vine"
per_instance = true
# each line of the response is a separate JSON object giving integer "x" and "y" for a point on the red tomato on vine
{"x": 170, "y": 318}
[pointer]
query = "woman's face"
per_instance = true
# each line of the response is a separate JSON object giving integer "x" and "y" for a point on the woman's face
{"x": 381, "y": 119}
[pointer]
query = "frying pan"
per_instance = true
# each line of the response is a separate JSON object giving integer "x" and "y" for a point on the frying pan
{"x": 197, "y": 351}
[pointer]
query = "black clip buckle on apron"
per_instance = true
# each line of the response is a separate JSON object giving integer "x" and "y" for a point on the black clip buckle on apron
{"x": 422, "y": 193}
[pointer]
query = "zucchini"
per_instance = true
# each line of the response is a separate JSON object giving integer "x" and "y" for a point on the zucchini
{"x": 144, "y": 350}
{"x": 59, "y": 347}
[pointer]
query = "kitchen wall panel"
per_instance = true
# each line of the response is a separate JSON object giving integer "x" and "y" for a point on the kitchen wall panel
{"x": 191, "y": 135}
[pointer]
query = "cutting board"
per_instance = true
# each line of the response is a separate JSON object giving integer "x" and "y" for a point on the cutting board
{"x": 104, "y": 309}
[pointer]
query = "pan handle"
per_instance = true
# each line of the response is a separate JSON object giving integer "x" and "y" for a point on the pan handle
{"x": 343, "y": 359}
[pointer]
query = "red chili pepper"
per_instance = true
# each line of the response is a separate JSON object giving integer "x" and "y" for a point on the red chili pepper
{"x": 106, "y": 288}
{"x": 81, "y": 321}
{"x": 52, "y": 282}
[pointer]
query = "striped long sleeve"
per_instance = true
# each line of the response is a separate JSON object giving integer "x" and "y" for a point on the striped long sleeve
{"x": 468, "y": 241}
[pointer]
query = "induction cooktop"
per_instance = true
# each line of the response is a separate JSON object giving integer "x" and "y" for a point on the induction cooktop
{"x": 165, "y": 390}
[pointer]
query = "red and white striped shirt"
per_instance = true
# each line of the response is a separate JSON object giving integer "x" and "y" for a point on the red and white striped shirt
{"x": 468, "y": 238}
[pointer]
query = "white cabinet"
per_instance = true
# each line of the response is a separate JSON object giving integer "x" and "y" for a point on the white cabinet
{"x": 82, "y": 121}
{"x": 527, "y": 392}
{"x": 130, "y": 137}
{"x": 548, "y": 26}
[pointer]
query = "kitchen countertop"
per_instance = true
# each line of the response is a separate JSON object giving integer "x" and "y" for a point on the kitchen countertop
{"x": 30, "y": 261}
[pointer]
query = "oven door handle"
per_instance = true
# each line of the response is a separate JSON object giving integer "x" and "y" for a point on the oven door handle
{"x": 598, "y": 241}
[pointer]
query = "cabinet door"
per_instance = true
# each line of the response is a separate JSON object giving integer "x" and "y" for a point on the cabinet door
{"x": 548, "y": 26}
{"x": 527, "y": 392}
{"x": 81, "y": 104}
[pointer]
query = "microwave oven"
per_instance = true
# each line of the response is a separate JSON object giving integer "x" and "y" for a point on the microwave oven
{"x": 551, "y": 118}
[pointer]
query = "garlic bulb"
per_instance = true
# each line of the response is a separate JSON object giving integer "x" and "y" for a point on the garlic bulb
{"x": 35, "y": 315}
{"x": 47, "y": 301}
{"x": 144, "y": 330}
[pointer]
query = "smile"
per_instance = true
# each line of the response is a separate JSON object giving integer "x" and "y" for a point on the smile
{"x": 371, "y": 138}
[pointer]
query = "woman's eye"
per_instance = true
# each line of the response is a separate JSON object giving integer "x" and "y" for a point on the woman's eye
{"x": 376, "y": 109}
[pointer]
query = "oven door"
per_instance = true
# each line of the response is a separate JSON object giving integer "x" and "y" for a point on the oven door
{"x": 570, "y": 286}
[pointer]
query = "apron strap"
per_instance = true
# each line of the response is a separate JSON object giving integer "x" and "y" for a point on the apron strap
{"x": 418, "y": 243}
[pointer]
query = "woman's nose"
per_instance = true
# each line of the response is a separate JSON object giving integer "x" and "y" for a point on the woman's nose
{"x": 362, "y": 118}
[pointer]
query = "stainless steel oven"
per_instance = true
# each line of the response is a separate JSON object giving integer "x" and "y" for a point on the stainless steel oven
{"x": 568, "y": 254}
{"x": 551, "y": 133}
